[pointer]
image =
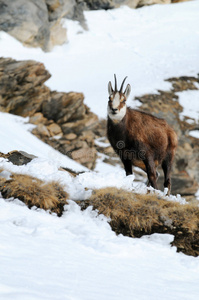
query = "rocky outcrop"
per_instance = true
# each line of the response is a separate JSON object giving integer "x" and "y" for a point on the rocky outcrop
{"x": 62, "y": 119}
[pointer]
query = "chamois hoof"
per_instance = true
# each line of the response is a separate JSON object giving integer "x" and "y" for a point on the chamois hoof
{"x": 166, "y": 192}
{"x": 150, "y": 190}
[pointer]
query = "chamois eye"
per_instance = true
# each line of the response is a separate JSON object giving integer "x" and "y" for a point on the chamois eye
{"x": 122, "y": 100}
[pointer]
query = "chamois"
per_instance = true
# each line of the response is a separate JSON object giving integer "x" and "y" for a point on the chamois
{"x": 139, "y": 138}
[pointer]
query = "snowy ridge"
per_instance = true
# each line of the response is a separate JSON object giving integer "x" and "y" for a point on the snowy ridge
{"x": 78, "y": 256}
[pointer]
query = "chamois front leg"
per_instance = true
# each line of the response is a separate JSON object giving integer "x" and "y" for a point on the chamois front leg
{"x": 127, "y": 166}
{"x": 151, "y": 173}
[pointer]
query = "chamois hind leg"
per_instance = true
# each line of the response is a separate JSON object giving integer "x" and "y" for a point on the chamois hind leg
{"x": 151, "y": 173}
{"x": 166, "y": 166}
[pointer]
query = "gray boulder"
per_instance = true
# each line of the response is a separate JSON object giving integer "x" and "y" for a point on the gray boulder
{"x": 27, "y": 21}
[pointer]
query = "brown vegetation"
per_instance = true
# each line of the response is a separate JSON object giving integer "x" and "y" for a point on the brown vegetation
{"x": 34, "y": 192}
{"x": 130, "y": 214}
{"x": 135, "y": 215}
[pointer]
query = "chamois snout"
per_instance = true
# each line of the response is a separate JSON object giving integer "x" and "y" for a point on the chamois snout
{"x": 114, "y": 111}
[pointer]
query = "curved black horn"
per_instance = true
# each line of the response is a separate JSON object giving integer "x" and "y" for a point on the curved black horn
{"x": 123, "y": 84}
{"x": 115, "y": 83}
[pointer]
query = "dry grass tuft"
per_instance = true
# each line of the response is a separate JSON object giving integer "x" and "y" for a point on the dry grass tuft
{"x": 135, "y": 215}
{"x": 34, "y": 192}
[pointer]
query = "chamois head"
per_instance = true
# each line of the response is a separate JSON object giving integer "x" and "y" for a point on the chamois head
{"x": 117, "y": 100}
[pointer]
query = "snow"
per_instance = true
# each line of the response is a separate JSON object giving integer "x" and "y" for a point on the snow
{"x": 194, "y": 133}
{"x": 78, "y": 256}
{"x": 99, "y": 142}
{"x": 190, "y": 102}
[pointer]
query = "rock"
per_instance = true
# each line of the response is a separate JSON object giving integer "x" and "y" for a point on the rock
{"x": 37, "y": 118}
{"x": 89, "y": 122}
{"x": 27, "y": 21}
{"x": 68, "y": 128}
{"x": 18, "y": 157}
{"x": 58, "y": 34}
{"x": 85, "y": 156}
{"x": 109, "y": 4}
{"x": 89, "y": 137}
{"x": 104, "y": 4}
{"x": 78, "y": 13}
{"x": 41, "y": 131}
{"x": 21, "y": 86}
{"x": 70, "y": 136}
{"x": 64, "y": 107}
{"x": 54, "y": 130}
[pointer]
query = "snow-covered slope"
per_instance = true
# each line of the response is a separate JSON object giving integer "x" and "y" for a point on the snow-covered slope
{"x": 77, "y": 256}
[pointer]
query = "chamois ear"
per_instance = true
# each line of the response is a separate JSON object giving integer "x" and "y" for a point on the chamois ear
{"x": 110, "y": 89}
{"x": 127, "y": 91}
